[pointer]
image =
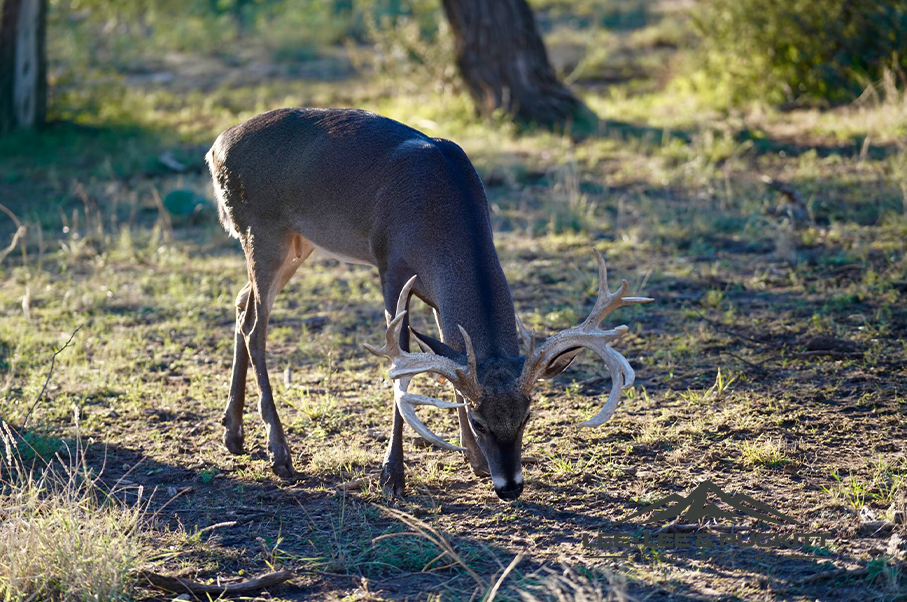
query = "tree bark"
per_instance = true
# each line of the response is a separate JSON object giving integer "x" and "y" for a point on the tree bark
{"x": 23, "y": 64}
{"x": 502, "y": 59}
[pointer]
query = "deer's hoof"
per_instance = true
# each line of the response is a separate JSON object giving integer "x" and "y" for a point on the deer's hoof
{"x": 284, "y": 471}
{"x": 392, "y": 481}
{"x": 233, "y": 440}
{"x": 281, "y": 464}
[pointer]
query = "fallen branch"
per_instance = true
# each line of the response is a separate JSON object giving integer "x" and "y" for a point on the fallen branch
{"x": 188, "y": 586}
{"x": 50, "y": 373}
{"x": 827, "y": 575}
{"x": 725, "y": 330}
{"x": 828, "y": 353}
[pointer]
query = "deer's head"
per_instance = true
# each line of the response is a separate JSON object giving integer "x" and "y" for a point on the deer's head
{"x": 497, "y": 391}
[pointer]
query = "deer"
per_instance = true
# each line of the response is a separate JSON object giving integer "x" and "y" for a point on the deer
{"x": 366, "y": 189}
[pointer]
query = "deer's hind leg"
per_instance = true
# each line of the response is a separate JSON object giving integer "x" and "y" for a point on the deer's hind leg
{"x": 272, "y": 260}
{"x": 232, "y": 420}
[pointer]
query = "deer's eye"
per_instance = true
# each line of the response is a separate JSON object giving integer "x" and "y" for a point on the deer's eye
{"x": 479, "y": 428}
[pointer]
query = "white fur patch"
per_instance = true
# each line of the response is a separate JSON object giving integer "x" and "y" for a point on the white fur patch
{"x": 501, "y": 483}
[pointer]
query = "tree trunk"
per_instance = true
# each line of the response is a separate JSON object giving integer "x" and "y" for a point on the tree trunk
{"x": 503, "y": 61}
{"x": 23, "y": 64}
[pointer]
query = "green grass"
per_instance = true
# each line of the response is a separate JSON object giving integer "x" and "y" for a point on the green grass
{"x": 766, "y": 453}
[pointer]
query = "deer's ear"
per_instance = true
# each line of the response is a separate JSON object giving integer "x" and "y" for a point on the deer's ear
{"x": 431, "y": 345}
{"x": 560, "y": 363}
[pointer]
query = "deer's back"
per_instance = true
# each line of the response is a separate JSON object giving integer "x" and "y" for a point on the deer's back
{"x": 339, "y": 178}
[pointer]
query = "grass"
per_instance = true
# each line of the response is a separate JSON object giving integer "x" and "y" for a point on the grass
{"x": 765, "y": 454}
{"x": 63, "y": 536}
{"x": 728, "y": 388}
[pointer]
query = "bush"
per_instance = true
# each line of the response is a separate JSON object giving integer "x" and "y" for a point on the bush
{"x": 798, "y": 50}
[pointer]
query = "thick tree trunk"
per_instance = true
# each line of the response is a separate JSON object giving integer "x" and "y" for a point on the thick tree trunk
{"x": 23, "y": 64}
{"x": 503, "y": 61}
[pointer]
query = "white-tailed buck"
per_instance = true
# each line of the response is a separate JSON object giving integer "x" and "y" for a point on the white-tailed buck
{"x": 366, "y": 189}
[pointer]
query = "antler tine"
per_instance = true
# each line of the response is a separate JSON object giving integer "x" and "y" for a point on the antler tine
{"x": 391, "y": 349}
{"x": 607, "y": 301}
{"x": 590, "y": 336}
{"x": 407, "y": 402}
{"x": 405, "y": 365}
{"x": 622, "y": 376}
{"x": 469, "y": 378}
{"x": 403, "y": 299}
{"x": 470, "y": 352}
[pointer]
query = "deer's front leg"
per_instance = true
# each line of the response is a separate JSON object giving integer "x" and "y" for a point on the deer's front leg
{"x": 233, "y": 414}
{"x": 393, "y": 480}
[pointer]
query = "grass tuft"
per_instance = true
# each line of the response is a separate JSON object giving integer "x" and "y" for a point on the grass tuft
{"x": 62, "y": 537}
{"x": 768, "y": 453}
{"x": 576, "y": 585}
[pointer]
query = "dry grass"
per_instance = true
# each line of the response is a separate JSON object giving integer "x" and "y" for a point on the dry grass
{"x": 62, "y": 537}
{"x": 570, "y": 585}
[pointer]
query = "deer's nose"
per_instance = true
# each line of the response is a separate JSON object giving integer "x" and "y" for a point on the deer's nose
{"x": 510, "y": 491}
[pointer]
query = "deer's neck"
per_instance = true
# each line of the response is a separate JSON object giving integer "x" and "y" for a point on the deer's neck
{"x": 476, "y": 296}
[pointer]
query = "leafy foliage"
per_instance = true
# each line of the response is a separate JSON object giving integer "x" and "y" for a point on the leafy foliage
{"x": 783, "y": 51}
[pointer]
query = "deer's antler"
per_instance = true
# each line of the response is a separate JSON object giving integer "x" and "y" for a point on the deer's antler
{"x": 592, "y": 337}
{"x": 405, "y": 365}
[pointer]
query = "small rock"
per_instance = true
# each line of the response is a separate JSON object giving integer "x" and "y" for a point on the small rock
{"x": 876, "y": 527}
{"x": 376, "y": 434}
{"x": 830, "y": 344}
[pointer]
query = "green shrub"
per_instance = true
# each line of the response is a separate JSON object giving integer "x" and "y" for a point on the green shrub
{"x": 798, "y": 50}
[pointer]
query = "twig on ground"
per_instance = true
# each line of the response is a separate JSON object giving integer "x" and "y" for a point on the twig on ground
{"x": 497, "y": 584}
{"x": 432, "y": 535}
{"x": 755, "y": 366}
{"x": 828, "y": 353}
{"x": 827, "y": 575}
{"x": 728, "y": 331}
{"x": 20, "y": 232}
{"x": 225, "y": 525}
{"x": 50, "y": 373}
{"x": 178, "y": 493}
{"x": 183, "y": 585}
